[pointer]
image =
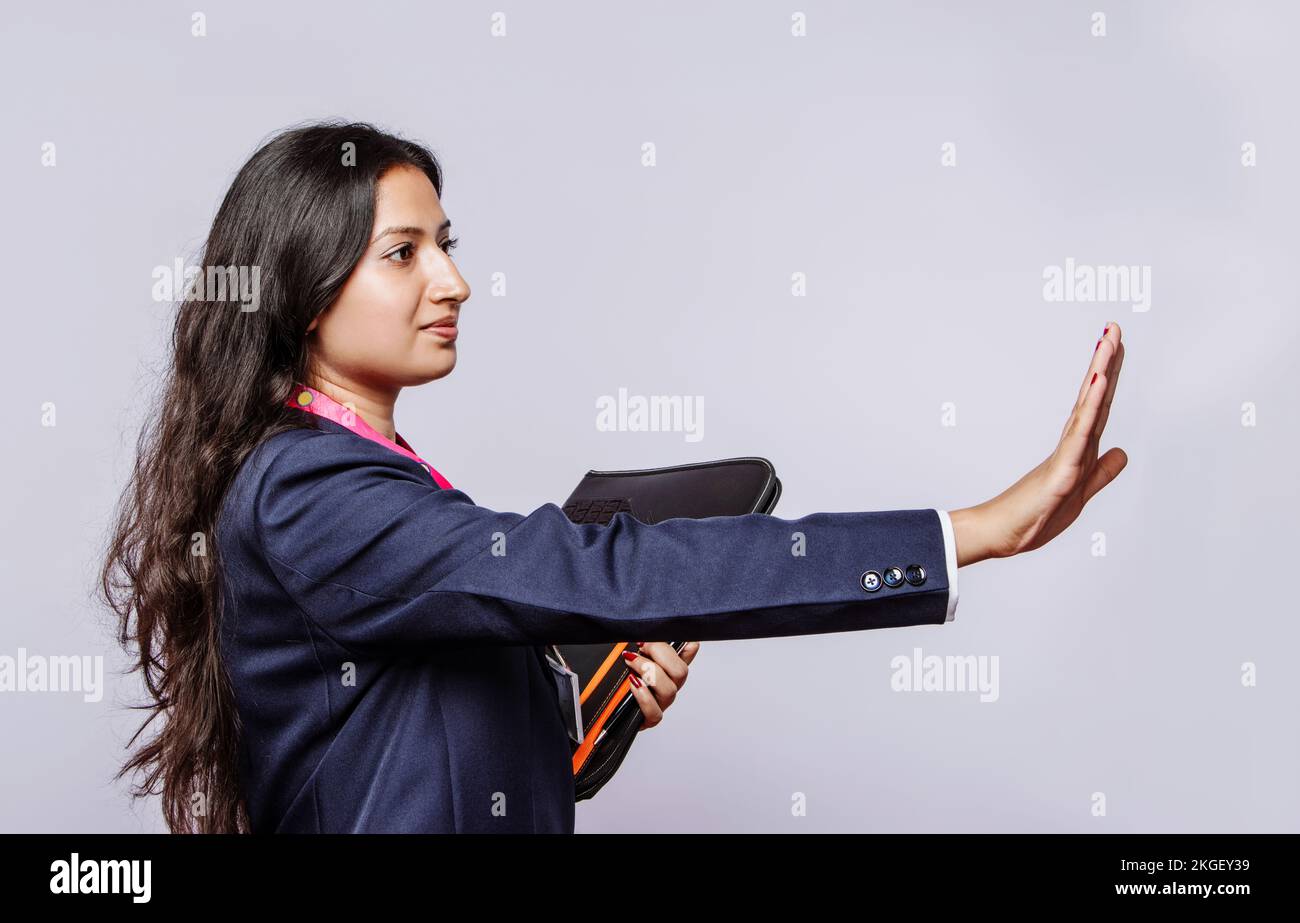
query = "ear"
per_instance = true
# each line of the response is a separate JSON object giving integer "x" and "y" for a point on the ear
{"x": 312, "y": 325}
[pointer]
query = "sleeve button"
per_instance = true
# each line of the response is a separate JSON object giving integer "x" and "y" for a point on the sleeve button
{"x": 870, "y": 581}
{"x": 893, "y": 577}
{"x": 915, "y": 574}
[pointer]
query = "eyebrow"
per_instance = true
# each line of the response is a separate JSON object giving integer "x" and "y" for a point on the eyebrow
{"x": 409, "y": 229}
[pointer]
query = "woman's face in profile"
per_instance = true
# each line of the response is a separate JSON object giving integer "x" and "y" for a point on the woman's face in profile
{"x": 378, "y": 332}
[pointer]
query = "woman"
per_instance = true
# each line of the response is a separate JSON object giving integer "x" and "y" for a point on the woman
{"x": 337, "y": 638}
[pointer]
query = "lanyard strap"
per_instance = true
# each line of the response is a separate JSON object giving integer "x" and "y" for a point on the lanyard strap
{"x": 313, "y": 401}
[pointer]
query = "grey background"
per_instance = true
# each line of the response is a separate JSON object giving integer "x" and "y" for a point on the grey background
{"x": 1118, "y": 674}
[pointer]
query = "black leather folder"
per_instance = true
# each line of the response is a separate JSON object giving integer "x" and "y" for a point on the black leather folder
{"x": 727, "y": 487}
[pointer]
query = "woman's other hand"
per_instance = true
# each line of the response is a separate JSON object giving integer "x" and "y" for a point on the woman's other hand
{"x": 658, "y": 674}
{"x": 1043, "y": 503}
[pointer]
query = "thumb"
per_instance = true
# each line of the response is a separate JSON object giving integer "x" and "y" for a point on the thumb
{"x": 1106, "y": 470}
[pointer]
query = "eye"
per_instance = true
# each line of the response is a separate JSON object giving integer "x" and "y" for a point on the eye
{"x": 450, "y": 244}
{"x": 407, "y": 248}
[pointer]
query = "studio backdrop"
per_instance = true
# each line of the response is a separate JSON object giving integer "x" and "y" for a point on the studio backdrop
{"x": 873, "y": 243}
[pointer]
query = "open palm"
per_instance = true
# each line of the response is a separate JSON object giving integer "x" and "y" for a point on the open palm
{"x": 1044, "y": 502}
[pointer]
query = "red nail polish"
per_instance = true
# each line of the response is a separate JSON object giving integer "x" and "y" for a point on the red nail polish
{"x": 1103, "y": 332}
{"x": 629, "y": 656}
{"x": 635, "y": 681}
{"x": 1094, "y": 377}
{"x": 1097, "y": 346}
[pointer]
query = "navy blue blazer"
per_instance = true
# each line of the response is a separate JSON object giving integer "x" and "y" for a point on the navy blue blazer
{"x": 383, "y": 636}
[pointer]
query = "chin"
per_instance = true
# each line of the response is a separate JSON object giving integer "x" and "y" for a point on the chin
{"x": 434, "y": 371}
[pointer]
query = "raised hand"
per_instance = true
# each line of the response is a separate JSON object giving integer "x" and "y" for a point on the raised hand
{"x": 1043, "y": 503}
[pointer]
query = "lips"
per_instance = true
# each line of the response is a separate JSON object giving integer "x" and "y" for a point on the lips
{"x": 444, "y": 328}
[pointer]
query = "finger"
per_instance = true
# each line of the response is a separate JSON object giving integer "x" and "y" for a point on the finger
{"x": 1095, "y": 367}
{"x": 1107, "y": 345}
{"x": 1078, "y": 433}
{"x": 1106, "y": 470}
{"x": 668, "y": 659}
{"x": 1101, "y": 355}
{"x": 654, "y": 677}
{"x": 690, "y": 650}
{"x": 1098, "y": 350}
{"x": 651, "y": 712}
{"x": 1104, "y": 415}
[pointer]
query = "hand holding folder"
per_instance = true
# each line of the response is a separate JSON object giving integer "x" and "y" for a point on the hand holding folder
{"x": 727, "y": 487}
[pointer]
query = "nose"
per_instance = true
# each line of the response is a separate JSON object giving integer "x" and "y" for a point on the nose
{"x": 445, "y": 281}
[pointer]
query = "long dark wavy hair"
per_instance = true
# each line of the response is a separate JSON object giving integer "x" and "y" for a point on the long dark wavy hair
{"x": 301, "y": 210}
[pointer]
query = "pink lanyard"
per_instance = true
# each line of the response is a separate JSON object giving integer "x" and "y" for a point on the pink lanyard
{"x": 313, "y": 401}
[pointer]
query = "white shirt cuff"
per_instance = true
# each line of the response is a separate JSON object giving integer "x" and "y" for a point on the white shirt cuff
{"x": 950, "y": 558}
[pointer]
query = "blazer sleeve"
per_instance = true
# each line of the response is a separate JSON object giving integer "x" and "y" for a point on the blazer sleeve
{"x": 380, "y": 557}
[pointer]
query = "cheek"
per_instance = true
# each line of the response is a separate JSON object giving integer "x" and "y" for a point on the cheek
{"x": 374, "y": 318}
